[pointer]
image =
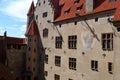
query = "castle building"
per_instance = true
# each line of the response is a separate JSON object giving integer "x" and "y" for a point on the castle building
{"x": 77, "y": 39}
{"x": 12, "y": 57}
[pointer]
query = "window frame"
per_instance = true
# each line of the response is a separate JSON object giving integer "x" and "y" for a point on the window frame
{"x": 72, "y": 42}
{"x": 58, "y": 61}
{"x": 45, "y": 33}
{"x": 58, "y": 42}
{"x": 45, "y": 14}
{"x": 46, "y": 59}
{"x": 107, "y": 42}
{"x": 56, "y": 77}
{"x": 72, "y": 63}
{"x": 94, "y": 65}
{"x": 110, "y": 67}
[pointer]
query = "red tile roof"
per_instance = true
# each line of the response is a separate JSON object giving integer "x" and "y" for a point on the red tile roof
{"x": 13, "y": 40}
{"x": 117, "y": 15}
{"x": 32, "y": 29}
{"x": 31, "y": 9}
{"x": 5, "y": 73}
{"x": 10, "y": 40}
{"x": 99, "y": 6}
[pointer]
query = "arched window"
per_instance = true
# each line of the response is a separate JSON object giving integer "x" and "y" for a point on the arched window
{"x": 45, "y": 32}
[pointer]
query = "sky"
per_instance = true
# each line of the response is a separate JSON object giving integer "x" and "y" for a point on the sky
{"x": 13, "y": 17}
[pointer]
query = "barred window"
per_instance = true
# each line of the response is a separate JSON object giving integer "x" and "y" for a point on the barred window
{"x": 57, "y": 61}
{"x": 45, "y": 32}
{"x": 94, "y": 65}
{"x": 107, "y": 41}
{"x": 58, "y": 42}
{"x": 72, "y": 63}
{"x": 57, "y": 77}
{"x": 72, "y": 42}
{"x": 110, "y": 66}
{"x": 46, "y": 59}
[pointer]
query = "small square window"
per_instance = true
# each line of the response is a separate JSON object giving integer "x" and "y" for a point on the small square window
{"x": 57, "y": 77}
{"x": 75, "y": 22}
{"x": 45, "y": 14}
{"x": 96, "y": 19}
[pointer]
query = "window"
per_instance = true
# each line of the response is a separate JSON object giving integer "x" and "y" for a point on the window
{"x": 29, "y": 49}
{"x": 110, "y": 65}
{"x": 66, "y": 12}
{"x": 36, "y": 17}
{"x": 60, "y": 25}
{"x": 28, "y": 68}
{"x": 107, "y": 41}
{"x": 58, "y": 42}
{"x": 57, "y": 77}
{"x": 39, "y": 4}
{"x": 75, "y": 22}
{"x": 72, "y": 63}
{"x": 29, "y": 59}
{"x": 46, "y": 73}
{"x": 118, "y": 28}
{"x": 76, "y": 2}
{"x": 72, "y": 42}
{"x": 46, "y": 59}
{"x": 94, "y": 65}
{"x": 79, "y": 8}
{"x": 34, "y": 60}
{"x": 96, "y": 19}
{"x": 57, "y": 61}
{"x": 44, "y": 14}
{"x": 43, "y": 2}
{"x": 45, "y": 32}
{"x": 33, "y": 69}
{"x": 34, "y": 49}
{"x": 112, "y": 0}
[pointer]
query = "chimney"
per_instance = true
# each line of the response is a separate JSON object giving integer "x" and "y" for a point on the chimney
{"x": 89, "y": 5}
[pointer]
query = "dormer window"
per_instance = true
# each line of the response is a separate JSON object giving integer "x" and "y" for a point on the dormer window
{"x": 79, "y": 8}
{"x": 111, "y": 0}
{"x": 66, "y": 12}
{"x": 76, "y": 2}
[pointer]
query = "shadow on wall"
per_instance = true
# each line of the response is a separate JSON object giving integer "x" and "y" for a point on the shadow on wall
{"x": 41, "y": 51}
